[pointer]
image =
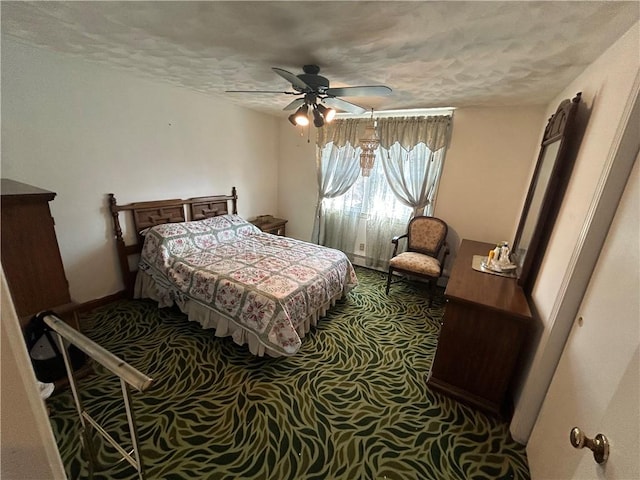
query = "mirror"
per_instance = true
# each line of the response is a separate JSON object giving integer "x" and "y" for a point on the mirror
{"x": 548, "y": 183}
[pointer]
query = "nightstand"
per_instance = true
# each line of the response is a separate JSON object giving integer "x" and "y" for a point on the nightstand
{"x": 269, "y": 224}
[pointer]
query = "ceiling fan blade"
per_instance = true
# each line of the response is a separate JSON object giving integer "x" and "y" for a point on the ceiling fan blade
{"x": 260, "y": 91}
{"x": 295, "y": 104}
{"x": 362, "y": 91}
{"x": 345, "y": 106}
{"x": 292, "y": 79}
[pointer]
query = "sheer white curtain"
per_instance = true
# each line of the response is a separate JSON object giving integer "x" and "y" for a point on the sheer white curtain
{"x": 412, "y": 151}
{"x": 385, "y": 216}
{"x": 338, "y": 167}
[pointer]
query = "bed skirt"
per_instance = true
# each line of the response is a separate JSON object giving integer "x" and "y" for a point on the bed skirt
{"x": 207, "y": 317}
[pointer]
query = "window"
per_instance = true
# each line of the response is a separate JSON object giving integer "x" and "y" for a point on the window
{"x": 370, "y": 196}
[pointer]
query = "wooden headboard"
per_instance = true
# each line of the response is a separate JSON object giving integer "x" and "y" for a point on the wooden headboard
{"x": 148, "y": 214}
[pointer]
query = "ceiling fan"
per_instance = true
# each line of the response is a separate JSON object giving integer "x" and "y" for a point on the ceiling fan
{"x": 314, "y": 92}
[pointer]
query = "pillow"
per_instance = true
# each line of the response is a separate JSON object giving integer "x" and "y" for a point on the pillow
{"x": 213, "y": 230}
{"x": 224, "y": 227}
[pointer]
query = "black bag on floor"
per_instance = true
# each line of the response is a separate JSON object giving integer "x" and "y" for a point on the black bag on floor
{"x": 44, "y": 351}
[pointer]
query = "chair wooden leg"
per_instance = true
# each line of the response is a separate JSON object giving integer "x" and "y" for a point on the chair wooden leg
{"x": 432, "y": 290}
{"x": 389, "y": 281}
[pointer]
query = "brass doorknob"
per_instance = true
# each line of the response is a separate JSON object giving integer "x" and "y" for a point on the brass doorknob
{"x": 599, "y": 445}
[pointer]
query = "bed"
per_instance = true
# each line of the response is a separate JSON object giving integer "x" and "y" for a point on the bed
{"x": 263, "y": 290}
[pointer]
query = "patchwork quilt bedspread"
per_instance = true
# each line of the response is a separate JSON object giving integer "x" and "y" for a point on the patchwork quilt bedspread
{"x": 267, "y": 284}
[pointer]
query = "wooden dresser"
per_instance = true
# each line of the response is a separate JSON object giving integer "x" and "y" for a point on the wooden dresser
{"x": 486, "y": 320}
{"x": 30, "y": 254}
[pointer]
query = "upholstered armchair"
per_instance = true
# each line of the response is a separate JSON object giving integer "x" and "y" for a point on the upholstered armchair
{"x": 425, "y": 254}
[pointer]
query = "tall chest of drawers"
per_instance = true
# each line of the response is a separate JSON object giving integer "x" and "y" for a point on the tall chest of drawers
{"x": 30, "y": 254}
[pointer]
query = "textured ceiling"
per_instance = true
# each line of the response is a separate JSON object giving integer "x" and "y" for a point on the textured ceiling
{"x": 432, "y": 54}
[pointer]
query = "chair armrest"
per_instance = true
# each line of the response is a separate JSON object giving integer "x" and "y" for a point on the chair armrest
{"x": 395, "y": 241}
{"x": 445, "y": 251}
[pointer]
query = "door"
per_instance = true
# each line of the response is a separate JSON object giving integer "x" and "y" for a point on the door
{"x": 595, "y": 386}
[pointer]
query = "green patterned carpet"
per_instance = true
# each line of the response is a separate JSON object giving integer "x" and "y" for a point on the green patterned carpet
{"x": 353, "y": 404}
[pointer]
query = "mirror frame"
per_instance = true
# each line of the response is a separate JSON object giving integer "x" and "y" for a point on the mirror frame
{"x": 540, "y": 221}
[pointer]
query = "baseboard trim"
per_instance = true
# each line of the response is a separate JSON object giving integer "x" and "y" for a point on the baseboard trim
{"x": 100, "y": 302}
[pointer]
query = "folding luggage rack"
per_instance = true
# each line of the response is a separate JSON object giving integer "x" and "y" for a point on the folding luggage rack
{"x": 129, "y": 377}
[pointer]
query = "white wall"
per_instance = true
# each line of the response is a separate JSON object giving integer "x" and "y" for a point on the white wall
{"x": 607, "y": 86}
{"x": 83, "y": 130}
{"x": 487, "y": 171}
{"x": 297, "y": 180}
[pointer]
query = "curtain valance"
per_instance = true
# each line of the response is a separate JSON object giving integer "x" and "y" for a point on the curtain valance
{"x": 341, "y": 131}
{"x": 410, "y": 131}
{"x": 407, "y": 131}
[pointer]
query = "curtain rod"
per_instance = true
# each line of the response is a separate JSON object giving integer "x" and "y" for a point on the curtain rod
{"x": 415, "y": 112}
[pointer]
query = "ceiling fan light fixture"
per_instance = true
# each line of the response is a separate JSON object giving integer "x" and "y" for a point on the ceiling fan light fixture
{"x": 301, "y": 118}
{"x": 314, "y": 87}
{"x": 327, "y": 113}
{"x": 318, "y": 119}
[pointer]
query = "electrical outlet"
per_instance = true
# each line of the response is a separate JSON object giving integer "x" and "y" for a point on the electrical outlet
{"x": 362, "y": 247}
